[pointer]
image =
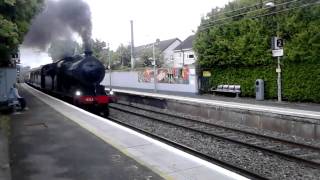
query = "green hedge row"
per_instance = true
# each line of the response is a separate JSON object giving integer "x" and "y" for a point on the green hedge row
{"x": 300, "y": 82}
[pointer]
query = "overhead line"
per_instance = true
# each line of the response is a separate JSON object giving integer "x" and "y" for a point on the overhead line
{"x": 246, "y": 7}
{"x": 293, "y": 1}
{"x": 201, "y": 28}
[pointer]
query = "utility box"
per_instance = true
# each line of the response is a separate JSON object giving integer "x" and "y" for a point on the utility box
{"x": 203, "y": 82}
{"x": 259, "y": 90}
{"x": 8, "y": 76}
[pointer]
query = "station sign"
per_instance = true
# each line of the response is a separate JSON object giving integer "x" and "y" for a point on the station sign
{"x": 206, "y": 74}
{"x": 277, "y": 46}
{"x": 277, "y": 53}
{"x": 276, "y": 43}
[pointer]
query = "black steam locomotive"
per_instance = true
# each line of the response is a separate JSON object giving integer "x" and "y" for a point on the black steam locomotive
{"x": 75, "y": 79}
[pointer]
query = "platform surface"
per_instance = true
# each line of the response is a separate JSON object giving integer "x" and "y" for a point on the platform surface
{"x": 51, "y": 144}
{"x": 304, "y": 110}
{"x": 48, "y": 145}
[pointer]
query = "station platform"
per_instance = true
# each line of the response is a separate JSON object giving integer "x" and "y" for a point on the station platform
{"x": 309, "y": 110}
{"x": 299, "y": 122}
{"x": 55, "y": 140}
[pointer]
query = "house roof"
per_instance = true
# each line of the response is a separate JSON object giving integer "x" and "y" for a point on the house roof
{"x": 162, "y": 45}
{"x": 186, "y": 44}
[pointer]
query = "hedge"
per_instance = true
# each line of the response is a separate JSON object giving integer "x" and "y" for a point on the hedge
{"x": 300, "y": 81}
{"x": 236, "y": 46}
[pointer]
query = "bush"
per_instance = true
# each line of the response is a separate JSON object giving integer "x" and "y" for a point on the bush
{"x": 300, "y": 82}
{"x": 236, "y": 46}
{"x": 246, "y": 77}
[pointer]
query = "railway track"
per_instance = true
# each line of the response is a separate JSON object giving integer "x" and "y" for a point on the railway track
{"x": 191, "y": 151}
{"x": 300, "y": 153}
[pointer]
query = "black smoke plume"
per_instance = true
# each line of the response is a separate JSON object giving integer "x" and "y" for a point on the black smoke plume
{"x": 59, "y": 20}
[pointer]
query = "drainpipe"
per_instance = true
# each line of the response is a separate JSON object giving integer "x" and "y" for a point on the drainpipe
{"x": 182, "y": 57}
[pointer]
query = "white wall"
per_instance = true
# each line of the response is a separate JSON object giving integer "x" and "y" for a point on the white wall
{"x": 169, "y": 52}
{"x": 130, "y": 80}
{"x": 8, "y": 76}
{"x": 178, "y": 58}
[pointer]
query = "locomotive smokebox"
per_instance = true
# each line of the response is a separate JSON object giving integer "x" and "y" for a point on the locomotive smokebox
{"x": 92, "y": 70}
{"x": 89, "y": 70}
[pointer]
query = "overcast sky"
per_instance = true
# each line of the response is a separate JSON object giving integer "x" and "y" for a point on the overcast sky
{"x": 152, "y": 19}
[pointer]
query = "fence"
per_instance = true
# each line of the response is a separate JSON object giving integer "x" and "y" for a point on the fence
{"x": 167, "y": 79}
{"x": 8, "y": 76}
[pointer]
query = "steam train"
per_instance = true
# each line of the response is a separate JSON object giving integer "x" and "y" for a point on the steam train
{"x": 75, "y": 79}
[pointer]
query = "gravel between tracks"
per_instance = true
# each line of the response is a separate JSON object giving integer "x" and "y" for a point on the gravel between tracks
{"x": 241, "y": 136}
{"x": 265, "y": 164}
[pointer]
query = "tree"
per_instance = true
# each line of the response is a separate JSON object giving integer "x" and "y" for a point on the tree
{"x": 146, "y": 57}
{"x": 15, "y": 18}
{"x": 99, "y": 51}
{"x": 122, "y": 56}
{"x": 98, "y": 47}
{"x": 231, "y": 37}
{"x": 234, "y": 42}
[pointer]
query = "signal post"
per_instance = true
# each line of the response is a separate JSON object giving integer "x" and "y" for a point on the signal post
{"x": 277, "y": 51}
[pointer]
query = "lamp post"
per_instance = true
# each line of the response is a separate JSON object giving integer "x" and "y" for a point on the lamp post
{"x": 278, "y": 70}
{"x": 279, "y": 77}
{"x": 109, "y": 67}
{"x": 154, "y": 67}
{"x": 132, "y": 47}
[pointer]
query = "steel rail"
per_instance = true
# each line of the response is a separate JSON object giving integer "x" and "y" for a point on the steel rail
{"x": 224, "y": 127}
{"x": 192, "y": 151}
{"x": 299, "y": 159}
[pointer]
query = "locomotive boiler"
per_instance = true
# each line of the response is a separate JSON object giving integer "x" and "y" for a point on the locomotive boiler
{"x": 76, "y": 79}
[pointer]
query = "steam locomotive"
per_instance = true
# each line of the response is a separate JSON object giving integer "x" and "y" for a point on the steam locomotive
{"x": 75, "y": 79}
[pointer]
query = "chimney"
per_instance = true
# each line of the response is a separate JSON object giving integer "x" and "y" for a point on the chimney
{"x": 87, "y": 53}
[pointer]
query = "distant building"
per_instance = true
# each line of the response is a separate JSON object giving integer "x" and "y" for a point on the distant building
{"x": 15, "y": 58}
{"x": 184, "y": 54}
{"x": 22, "y": 72}
{"x": 166, "y": 49}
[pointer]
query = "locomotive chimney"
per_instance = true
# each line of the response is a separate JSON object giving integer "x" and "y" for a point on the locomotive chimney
{"x": 88, "y": 53}
{"x": 88, "y": 47}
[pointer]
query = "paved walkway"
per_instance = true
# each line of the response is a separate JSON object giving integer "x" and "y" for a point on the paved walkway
{"x": 46, "y": 145}
{"x": 4, "y": 159}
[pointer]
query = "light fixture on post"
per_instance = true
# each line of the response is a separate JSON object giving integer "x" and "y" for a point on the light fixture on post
{"x": 109, "y": 67}
{"x": 270, "y": 4}
{"x": 276, "y": 48}
{"x": 154, "y": 64}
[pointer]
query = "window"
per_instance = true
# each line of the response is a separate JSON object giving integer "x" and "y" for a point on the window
{"x": 190, "y": 56}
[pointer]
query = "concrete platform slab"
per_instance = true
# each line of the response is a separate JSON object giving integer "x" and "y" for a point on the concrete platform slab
{"x": 62, "y": 150}
{"x": 4, "y": 159}
{"x": 156, "y": 158}
{"x": 245, "y": 106}
{"x": 153, "y": 154}
{"x": 196, "y": 173}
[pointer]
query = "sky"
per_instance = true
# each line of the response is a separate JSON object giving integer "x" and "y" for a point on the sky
{"x": 152, "y": 19}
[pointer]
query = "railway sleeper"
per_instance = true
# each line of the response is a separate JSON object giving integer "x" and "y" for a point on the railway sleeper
{"x": 290, "y": 150}
{"x": 308, "y": 155}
